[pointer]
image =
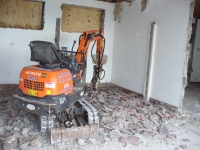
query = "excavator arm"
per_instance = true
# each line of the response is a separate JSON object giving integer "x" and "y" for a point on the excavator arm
{"x": 85, "y": 39}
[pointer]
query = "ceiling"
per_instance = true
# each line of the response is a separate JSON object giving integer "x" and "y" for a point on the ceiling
{"x": 113, "y": 1}
{"x": 196, "y": 8}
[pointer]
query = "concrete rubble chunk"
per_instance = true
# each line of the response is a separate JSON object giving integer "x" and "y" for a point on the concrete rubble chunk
{"x": 140, "y": 110}
{"x": 149, "y": 125}
{"x": 122, "y": 117}
{"x": 8, "y": 128}
{"x": 31, "y": 133}
{"x": 36, "y": 142}
{"x": 10, "y": 122}
{"x": 183, "y": 147}
{"x": 25, "y": 132}
{"x": 167, "y": 115}
{"x": 23, "y": 140}
{"x": 114, "y": 135}
{"x": 138, "y": 103}
{"x": 27, "y": 121}
{"x": 101, "y": 100}
{"x": 171, "y": 136}
{"x": 140, "y": 125}
{"x": 121, "y": 124}
{"x": 142, "y": 139}
{"x": 133, "y": 111}
{"x": 163, "y": 130}
{"x": 107, "y": 118}
{"x": 2, "y": 122}
{"x": 2, "y": 131}
{"x": 25, "y": 146}
{"x": 138, "y": 115}
{"x": 108, "y": 109}
{"x": 153, "y": 110}
{"x": 23, "y": 112}
{"x": 163, "y": 111}
{"x": 81, "y": 141}
{"x": 8, "y": 146}
{"x": 130, "y": 139}
{"x": 155, "y": 118}
{"x": 133, "y": 126}
{"x": 127, "y": 131}
{"x": 93, "y": 141}
{"x": 147, "y": 103}
{"x": 14, "y": 112}
{"x": 160, "y": 114}
{"x": 16, "y": 128}
{"x": 9, "y": 103}
{"x": 186, "y": 140}
{"x": 10, "y": 139}
{"x": 182, "y": 124}
{"x": 113, "y": 102}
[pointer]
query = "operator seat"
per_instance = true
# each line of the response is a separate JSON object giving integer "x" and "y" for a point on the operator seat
{"x": 46, "y": 53}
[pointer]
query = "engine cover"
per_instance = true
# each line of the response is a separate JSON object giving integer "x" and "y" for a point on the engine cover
{"x": 40, "y": 82}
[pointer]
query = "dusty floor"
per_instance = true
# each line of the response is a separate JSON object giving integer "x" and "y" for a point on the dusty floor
{"x": 127, "y": 122}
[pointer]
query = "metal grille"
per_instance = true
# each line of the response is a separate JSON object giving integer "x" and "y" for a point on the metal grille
{"x": 35, "y": 85}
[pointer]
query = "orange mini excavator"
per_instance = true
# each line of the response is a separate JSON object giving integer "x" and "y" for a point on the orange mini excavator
{"x": 52, "y": 89}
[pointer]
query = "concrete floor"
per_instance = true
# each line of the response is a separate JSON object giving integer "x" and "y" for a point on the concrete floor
{"x": 183, "y": 132}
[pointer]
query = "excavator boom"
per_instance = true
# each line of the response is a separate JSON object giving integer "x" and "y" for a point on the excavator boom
{"x": 85, "y": 39}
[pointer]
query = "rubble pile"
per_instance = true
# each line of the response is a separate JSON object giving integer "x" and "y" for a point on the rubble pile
{"x": 125, "y": 118}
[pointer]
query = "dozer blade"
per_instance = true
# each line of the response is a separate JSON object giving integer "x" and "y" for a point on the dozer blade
{"x": 70, "y": 134}
{"x": 82, "y": 132}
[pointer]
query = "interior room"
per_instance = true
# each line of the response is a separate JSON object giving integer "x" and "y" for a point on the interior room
{"x": 99, "y": 74}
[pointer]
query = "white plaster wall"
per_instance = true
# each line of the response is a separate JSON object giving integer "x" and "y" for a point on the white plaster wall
{"x": 15, "y": 52}
{"x": 131, "y": 48}
{"x": 195, "y": 75}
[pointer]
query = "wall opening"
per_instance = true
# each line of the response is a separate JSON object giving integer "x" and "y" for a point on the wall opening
{"x": 22, "y": 14}
{"x": 79, "y": 19}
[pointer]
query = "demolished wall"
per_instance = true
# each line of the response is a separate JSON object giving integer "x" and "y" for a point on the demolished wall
{"x": 132, "y": 42}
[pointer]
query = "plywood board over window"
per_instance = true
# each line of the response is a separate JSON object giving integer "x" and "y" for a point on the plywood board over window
{"x": 21, "y": 14}
{"x": 80, "y": 19}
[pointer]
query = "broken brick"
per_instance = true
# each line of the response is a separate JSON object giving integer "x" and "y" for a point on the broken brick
{"x": 163, "y": 131}
{"x": 8, "y": 146}
{"x": 186, "y": 140}
{"x": 14, "y": 112}
{"x": 130, "y": 139}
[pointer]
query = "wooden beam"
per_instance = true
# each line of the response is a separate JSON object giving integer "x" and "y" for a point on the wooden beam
{"x": 57, "y": 35}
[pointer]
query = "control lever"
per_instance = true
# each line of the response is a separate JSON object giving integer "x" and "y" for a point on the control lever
{"x": 73, "y": 47}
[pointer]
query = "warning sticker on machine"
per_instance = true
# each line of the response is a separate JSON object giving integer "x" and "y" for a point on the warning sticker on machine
{"x": 50, "y": 85}
{"x": 48, "y": 92}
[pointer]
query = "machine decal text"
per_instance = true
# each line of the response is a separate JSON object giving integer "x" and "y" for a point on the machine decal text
{"x": 33, "y": 73}
{"x": 66, "y": 85}
{"x": 63, "y": 74}
{"x": 33, "y": 78}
